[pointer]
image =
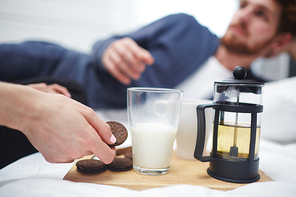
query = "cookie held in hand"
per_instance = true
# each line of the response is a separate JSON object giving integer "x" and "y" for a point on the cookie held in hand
{"x": 119, "y": 131}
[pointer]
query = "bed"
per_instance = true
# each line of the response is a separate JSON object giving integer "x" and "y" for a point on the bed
{"x": 33, "y": 176}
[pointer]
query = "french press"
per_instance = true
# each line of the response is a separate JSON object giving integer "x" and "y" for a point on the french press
{"x": 237, "y": 108}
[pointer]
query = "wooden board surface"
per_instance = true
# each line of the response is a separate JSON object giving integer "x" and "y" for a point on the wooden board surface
{"x": 181, "y": 172}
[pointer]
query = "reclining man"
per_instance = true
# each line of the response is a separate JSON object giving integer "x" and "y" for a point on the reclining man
{"x": 177, "y": 47}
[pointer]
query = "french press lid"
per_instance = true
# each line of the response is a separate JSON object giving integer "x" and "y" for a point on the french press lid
{"x": 239, "y": 90}
{"x": 239, "y": 83}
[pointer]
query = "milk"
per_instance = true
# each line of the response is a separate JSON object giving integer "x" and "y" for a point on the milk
{"x": 152, "y": 145}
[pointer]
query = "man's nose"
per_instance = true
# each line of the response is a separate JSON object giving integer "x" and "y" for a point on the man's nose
{"x": 246, "y": 15}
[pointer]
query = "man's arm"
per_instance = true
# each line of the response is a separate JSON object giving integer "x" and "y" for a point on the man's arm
{"x": 178, "y": 44}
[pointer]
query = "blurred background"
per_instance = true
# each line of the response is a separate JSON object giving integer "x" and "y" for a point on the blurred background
{"x": 77, "y": 24}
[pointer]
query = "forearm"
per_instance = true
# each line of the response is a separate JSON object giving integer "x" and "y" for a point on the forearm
{"x": 16, "y": 104}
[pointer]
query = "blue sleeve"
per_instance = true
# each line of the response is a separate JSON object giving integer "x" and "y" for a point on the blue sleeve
{"x": 179, "y": 45}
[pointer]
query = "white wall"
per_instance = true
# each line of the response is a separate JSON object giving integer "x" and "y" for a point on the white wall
{"x": 72, "y": 23}
{"x": 215, "y": 14}
{"x": 78, "y": 23}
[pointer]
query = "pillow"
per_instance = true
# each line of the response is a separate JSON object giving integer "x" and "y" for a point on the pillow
{"x": 278, "y": 120}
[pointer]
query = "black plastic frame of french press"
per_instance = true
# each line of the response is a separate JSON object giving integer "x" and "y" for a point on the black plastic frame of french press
{"x": 235, "y": 171}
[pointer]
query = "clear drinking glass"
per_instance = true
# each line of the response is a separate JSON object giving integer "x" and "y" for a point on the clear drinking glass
{"x": 153, "y": 118}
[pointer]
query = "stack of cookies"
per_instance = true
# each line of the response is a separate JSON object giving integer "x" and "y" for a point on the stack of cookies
{"x": 92, "y": 166}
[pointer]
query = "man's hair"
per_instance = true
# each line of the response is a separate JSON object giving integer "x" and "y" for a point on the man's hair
{"x": 288, "y": 16}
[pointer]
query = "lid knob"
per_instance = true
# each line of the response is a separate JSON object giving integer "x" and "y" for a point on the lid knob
{"x": 239, "y": 72}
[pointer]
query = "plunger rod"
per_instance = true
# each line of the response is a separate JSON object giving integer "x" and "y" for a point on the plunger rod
{"x": 234, "y": 149}
{"x": 235, "y": 131}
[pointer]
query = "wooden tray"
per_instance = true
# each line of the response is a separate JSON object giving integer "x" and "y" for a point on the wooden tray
{"x": 181, "y": 172}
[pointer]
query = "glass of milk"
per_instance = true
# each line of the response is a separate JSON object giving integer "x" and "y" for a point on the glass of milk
{"x": 153, "y": 118}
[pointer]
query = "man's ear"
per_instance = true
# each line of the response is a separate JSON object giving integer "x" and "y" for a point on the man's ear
{"x": 281, "y": 41}
{"x": 279, "y": 44}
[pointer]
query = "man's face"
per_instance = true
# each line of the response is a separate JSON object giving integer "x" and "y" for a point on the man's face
{"x": 253, "y": 27}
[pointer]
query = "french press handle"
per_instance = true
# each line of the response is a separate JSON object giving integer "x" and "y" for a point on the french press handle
{"x": 201, "y": 133}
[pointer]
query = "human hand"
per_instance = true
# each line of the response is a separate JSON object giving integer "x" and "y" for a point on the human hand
{"x": 66, "y": 130}
{"x": 124, "y": 59}
{"x": 60, "y": 128}
{"x": 53, "y": 88}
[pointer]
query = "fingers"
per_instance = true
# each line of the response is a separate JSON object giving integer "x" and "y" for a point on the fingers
{"x": 121, "y": 69}
{"x": 60, "y": 89}
{"x": 103, "y": 151}
{"x": 101, "y": 127}
{"x": 96, "y": 143}
{"x": 38, "y": 86}
{"x": 102, "y": 137}
{"x": 130, "y": 53}
{"x": 140, "y": 54}
{"x": 53, "y": 88}
{"x": 115, "y": 70}
{"x": 126, "y": 60}
{"x": 97, "y": 139}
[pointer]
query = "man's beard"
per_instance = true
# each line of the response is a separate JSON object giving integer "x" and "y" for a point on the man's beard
{"x": 233, "y": 44}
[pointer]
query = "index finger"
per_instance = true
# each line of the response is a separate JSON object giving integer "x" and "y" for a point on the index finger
{"x": 101, "y": 127}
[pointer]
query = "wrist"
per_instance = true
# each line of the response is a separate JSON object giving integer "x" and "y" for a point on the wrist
{"x": 17, "y": 104}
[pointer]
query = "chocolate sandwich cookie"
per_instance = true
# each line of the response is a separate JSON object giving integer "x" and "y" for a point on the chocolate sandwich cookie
{"x": 120, "y": 164}
{"x": 91, "y": 166}
{"x": 119, "y": 131}
{"x": 129, "y": 155}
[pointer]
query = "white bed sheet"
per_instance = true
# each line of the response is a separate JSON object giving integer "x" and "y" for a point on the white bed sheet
{"x": 33, "y": 176}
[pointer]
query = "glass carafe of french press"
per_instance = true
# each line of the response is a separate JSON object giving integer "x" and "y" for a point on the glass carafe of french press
{"x": 236, "y": 129}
